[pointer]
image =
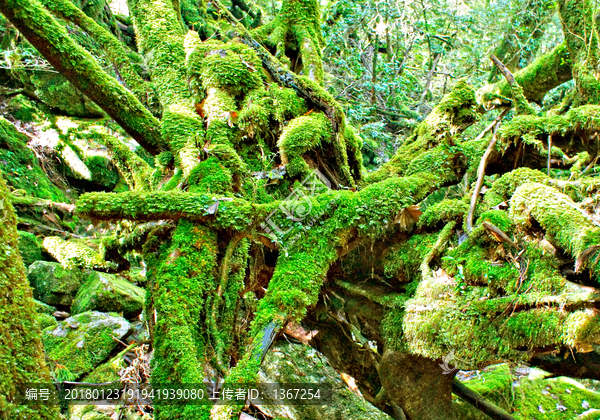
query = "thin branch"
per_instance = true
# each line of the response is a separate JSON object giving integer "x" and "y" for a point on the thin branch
{"x": 477, "y": 401}
{"x": 481, "y": 171}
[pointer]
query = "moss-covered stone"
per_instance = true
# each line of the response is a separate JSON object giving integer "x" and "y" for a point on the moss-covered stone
{"x": 23, "y": 109}
{"x": 46, "y": 321}
{"x": 43, "y": 308}
{"x": 108, "y": 293}
{"x": 21, "y": 168}
{"x": 83, "y": 341}
{"x": 52, "y": 284}
{"x": 74, "y": 254}
{"x": 296, "y": 363}
{"x": 531, "y": 396}
{"x": 29, "y": 247}
{"x": 109, "y": 371}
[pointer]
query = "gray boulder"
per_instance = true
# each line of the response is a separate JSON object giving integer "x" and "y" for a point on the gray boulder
{"x": 296, "y": 363}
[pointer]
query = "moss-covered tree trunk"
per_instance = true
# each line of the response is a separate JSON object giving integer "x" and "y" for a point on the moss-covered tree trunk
{"x": 21, "y": 351}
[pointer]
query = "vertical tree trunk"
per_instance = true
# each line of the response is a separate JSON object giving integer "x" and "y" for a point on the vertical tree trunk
{"x": 21, "y": 351}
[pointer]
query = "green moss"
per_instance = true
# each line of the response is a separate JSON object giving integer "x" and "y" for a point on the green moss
{"x": 20, "y": 166}
{"x": 23, "y": 109}
{"x": 29, "y": 247}
{"x": 43, "y": 308}
{"x": 52, "y": 284}
{"x": 109, "y": 371}
{"x": 505, "y": 186}
{"x": 108, "y": 293}
{"x": 212, "y": 177}
{"x": 455, "y": 112}
{"x": 232, "y": 67}
{"x": 296, "y": 27}
{"x": 21, "y": 353}
{"x": 571, "y": 228}
{"x": 403, "y": 261}
{"x": 133, "y": 168}
{"x": 82, "y": 342}
{"x": 102, "y": 171}
{"x": 444, "y": 211}
{"x": 499, "y": 219}
{"x": 74, "y": 254}
{"x": 542, "y": 75}
{"x": 301, "y": 135}
{"x": 181, "y": 276}
{"x": 46, "y": 321}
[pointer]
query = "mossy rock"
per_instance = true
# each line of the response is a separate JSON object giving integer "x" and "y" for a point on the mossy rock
{"x": 109, "y": 293}
{"x": 29, "y": 247}
{"x": 52, "y": 284}
{"x": 104, "y": 412}
{"x": 42, "y": 308}
{"x": 89, "y": 412}
{"x": 104, "y": 173}
{"x": 109, "y": 371}
{"x": 23, "y": 109}
{"x": 294, "y": 363}
{"x": 531, "y": 396}
{"x": 46, "y": 321}
{"x": 20, "y": 167}
{"x": 84, "y": 341}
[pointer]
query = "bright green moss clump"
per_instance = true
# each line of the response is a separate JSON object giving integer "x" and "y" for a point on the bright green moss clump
{"x": 562, "y": 219}
{"x": 29, "y": 248}
{"x": 301, "y": 135}
{"x": 73, "y": 254}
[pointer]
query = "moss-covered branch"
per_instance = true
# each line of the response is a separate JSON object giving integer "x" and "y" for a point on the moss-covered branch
{"x": 181, "y": 274}
{"x": 580, "y": 27}
{"x": 567, "y": 224}
{"x": 133, "y": 168}
{"x": 538, "y": 78}
{"x": 114, "y": 49}
{"x": 160, "y": 36}
{"x": 455, "y": 112}
{"x": 80, "y": 68}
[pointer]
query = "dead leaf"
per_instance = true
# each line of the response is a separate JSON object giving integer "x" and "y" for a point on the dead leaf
{"x": 296, "y": 330}
{"x": 212, "y": 209}
{"x": 351, "y": 382}
{"x": 408, "y": 216}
